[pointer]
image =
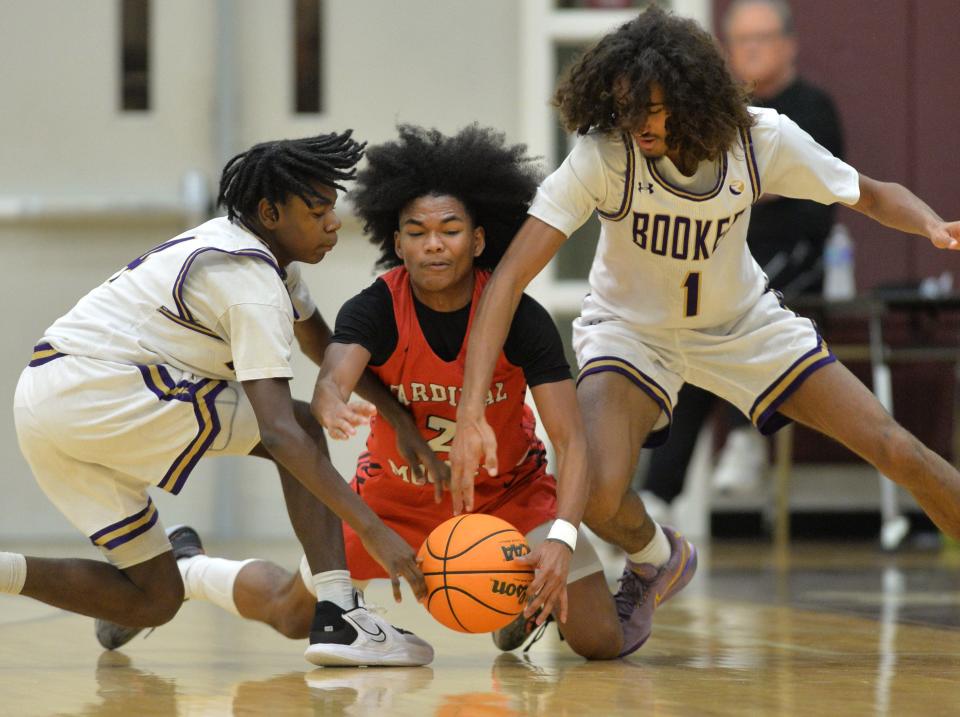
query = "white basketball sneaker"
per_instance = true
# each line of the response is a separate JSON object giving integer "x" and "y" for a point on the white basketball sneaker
{"x": 361, "y": 637}
{"x": 742, "y": 465}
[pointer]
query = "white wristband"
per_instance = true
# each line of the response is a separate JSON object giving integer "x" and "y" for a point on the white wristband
{"x": 564, "y": 532}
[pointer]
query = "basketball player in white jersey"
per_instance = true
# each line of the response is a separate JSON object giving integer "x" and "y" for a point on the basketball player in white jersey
{"x": 185, "y": 352}
{"x": 671, "y": 158}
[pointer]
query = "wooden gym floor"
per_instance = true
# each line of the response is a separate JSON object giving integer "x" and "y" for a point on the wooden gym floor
{"x": 837, "y": 629}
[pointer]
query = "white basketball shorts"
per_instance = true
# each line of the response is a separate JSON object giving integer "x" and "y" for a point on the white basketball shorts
{"x": 755, "y": 361}
{"x": 97, "y": 434}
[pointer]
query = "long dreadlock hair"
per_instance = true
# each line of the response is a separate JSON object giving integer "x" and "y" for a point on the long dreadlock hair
{"x": 707, "y": 106}
{"x": 494, "y": 181}
{"x": 275, "y": 170}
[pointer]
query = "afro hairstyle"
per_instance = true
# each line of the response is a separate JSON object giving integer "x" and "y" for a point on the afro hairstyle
{"x": 495, "y": 182}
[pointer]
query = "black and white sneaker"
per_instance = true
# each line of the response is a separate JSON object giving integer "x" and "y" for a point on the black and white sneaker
{"x": 360, "y": 637}
{"x": 186, "y": 543}
{"x": 516, "y": 633}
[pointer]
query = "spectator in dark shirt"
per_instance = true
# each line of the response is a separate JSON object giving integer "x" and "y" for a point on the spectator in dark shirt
{"x": 786, "y": 237}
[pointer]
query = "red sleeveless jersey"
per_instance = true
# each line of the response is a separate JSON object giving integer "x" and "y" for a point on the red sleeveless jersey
{"x": 523, "y": 493}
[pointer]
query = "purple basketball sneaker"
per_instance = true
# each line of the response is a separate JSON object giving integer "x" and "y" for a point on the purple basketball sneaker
{"x": 644, "y": 587}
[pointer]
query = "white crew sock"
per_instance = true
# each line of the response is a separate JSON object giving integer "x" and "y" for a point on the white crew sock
{"x": 307, "y": 575}
{"x": 211, "y": 579}
{"x": 656, "y": 552}
{"x": 333, "y": 585}
{"x": 13, "y": 573}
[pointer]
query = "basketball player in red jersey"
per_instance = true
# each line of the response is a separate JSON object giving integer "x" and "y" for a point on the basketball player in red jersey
{"x": 446, "y": 208}
{"x": 443, "y": 210}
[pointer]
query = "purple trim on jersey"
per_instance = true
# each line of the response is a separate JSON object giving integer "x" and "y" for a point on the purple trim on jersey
{"x": 685, "y": 193}
{"x": 130, "y": 535}
{"x": 183, "y": 316}
{"x": 628, "y": 179}
{"x": 160, "y": 247}
{"x": 187, "y": 324}
{"x": 752, "y": 169}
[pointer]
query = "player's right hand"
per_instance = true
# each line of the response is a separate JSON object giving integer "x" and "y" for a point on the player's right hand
{"x": 341, "y": 419}
{"x": 397, "y": 558}
{"x": 474, "y": 440}
{"x": 420, "y": 457}
{"x": 548, "y": 591}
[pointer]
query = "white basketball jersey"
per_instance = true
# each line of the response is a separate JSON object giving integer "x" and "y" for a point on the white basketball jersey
{"x": 212, "y": 301}
{"x": 673, "y": 250}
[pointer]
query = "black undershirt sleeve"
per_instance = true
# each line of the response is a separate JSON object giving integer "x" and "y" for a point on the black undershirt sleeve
{"x": 535, "y": 346}
{"x": 367, "y": 319}
{"x": 533, "y": 342}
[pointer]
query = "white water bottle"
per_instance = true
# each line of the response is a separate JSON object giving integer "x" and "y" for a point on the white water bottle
{"x": 838, "y": 282}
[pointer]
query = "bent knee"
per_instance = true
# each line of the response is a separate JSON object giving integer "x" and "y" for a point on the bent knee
{"x": 155, "y": 610}
{"x": 600, "y": 645}
{"x": 602, "y": 504}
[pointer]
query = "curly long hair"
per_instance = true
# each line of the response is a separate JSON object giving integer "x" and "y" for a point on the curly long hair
{"x": 608, "y": 87}
{"x": 494, "y": 181}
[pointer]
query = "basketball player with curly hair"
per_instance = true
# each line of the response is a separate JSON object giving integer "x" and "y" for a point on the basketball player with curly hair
{"x": 671, "y": 158}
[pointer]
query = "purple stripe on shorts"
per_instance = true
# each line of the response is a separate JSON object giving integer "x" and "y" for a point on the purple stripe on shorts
{"x": 127, "y": 537}
{"x": 175, "y": 478}
{"x": 120, "y": 523}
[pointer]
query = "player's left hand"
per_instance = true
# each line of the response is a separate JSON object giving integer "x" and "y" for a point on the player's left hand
{"x": 397, "y": 559}
{"x": 341, "y": 419}
{"x": 548, "y": 591}
{"x": 946, "y": 235}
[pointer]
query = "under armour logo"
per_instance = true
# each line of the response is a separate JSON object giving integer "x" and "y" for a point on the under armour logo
{"x": 648, "y": 188}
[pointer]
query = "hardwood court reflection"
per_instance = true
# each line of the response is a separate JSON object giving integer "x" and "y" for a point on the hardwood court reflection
{"x": 837, "y": 635}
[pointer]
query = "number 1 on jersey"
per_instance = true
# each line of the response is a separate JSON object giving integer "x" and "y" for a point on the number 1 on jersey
{"x": 691, "y": 288}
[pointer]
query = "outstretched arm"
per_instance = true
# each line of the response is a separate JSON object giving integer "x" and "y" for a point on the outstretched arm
{"x": 313, "y": 335}
{"x": 342, "y": 368}
{"x": 560, "y": 414}
{"x": 345, "y": 369}
{"x": 295, "y": 450}
{"x": 895, "y": 206}
{"x": 534, "y": 245}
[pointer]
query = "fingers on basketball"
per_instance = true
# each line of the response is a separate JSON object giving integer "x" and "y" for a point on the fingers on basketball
{"x": 474, "y": 581}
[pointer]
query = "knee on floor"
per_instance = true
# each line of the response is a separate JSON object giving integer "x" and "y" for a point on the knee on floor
{"x": 598, "y": 645}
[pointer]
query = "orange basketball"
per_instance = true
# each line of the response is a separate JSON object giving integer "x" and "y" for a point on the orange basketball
{"x": 474, "y": 582}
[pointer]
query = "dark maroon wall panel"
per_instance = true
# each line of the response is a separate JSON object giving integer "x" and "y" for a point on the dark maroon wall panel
{"x": 888, "y": 65}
